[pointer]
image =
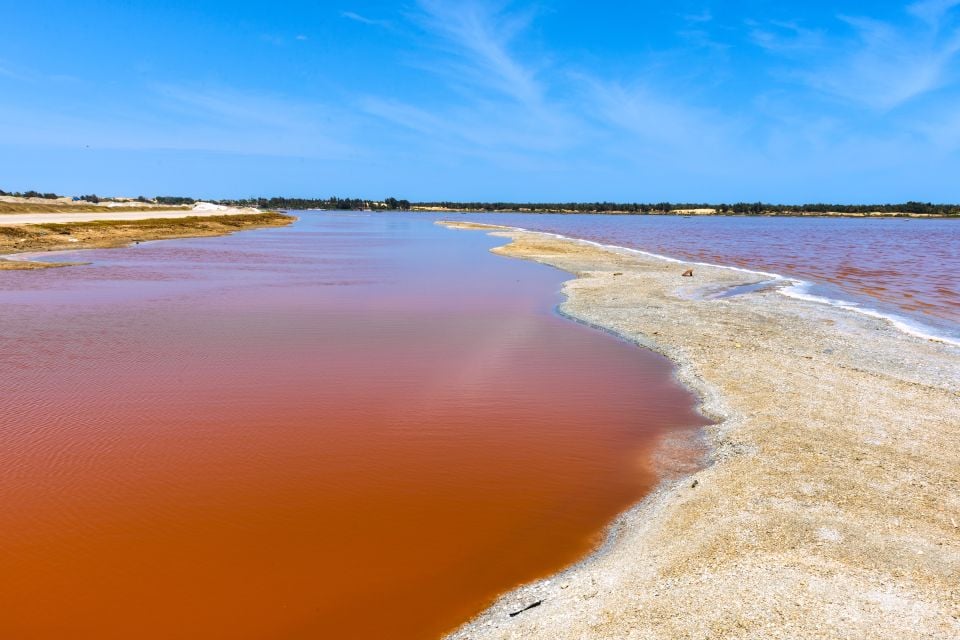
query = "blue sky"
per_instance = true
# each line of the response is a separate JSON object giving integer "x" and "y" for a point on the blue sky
{"x": 835, "y": 101}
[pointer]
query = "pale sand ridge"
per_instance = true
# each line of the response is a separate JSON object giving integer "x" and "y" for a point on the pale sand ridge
{"x": 831, "y": 506}
{"x": 201, "y": 209}
{"x": 21, "y": 244}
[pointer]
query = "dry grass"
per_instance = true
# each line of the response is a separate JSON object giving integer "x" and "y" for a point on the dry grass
{"x": 116, "y": 233}
{"x": 32, "y": 207}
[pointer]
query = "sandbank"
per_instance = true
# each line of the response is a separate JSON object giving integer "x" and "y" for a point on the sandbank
{"x": 830, "y": 506}
{"x": 59, "y": 232}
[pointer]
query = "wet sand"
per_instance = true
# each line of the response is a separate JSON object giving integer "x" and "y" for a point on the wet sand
{"x": 831, "y": 507}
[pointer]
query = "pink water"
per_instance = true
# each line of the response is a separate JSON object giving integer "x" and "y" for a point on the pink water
{"x": 355, "y": 427}
{"x": 904, "y": 268}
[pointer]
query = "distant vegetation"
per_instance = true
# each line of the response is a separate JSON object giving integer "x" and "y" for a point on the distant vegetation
{"x": 29, "y": 194}
{"x": 174, "y": 200}
{"x": 333, "y": 202}
{"x": 395, "y": 204}
{"x": 739, "y": 208}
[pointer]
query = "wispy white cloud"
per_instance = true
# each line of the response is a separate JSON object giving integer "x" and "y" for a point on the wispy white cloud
{"x": 506, "y": 103}
{"x": 659, "y": 123}
{"x": 786, "y": 37}
{"x": 275, "y": 40}
{"x": 890, "y": 68}
{"x": 495, "y": 103}
{"x": 479, "y": 36}
{"x": 224, "y": 116}
{"x": 698, "y": 31}
{"x": 282, "y": 40}
{"x": 704, "y": 15}
{"x": 356, "y": 17}
{"x": 180, "y": 117}
{"x": 228, "y": 106}
{"x": 932, "y": 11}
{"x": 638, "y": 111}
{"x": 35, "y": 77}
{"x": 15, "y": 72}
{"x": 883, "y": 66}
{"x": 406, "y": 115}
{"x": 477, "y": 128}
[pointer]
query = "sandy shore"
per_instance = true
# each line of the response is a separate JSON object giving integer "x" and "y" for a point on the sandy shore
{"x": 118, "y": 229}
{"x": 83, "y": 213}
{"x": 831, "y": 504}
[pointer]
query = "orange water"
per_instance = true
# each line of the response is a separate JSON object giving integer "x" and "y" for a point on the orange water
{"x": 350, "y": 428}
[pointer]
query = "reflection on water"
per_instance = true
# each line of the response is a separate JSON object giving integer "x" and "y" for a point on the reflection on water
{"x": 354, "y": 427}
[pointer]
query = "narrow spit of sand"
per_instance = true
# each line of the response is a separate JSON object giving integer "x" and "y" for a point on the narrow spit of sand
{"x": 32, "y": 234}
{"x": 831, "y": 504}
{"x": 66, "y": 214}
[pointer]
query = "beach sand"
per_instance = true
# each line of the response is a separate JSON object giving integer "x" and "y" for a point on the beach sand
{"x": 16, "y": 211}
{"x": 118, "y": 229}
{"x": 830, "y": 506}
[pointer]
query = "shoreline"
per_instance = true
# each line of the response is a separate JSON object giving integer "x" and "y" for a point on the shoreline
{"x": 22, "y": 244}
{"x": 834, "y": 429}
{"x": 698, "y": 213}
{"x": 790, "y": 286}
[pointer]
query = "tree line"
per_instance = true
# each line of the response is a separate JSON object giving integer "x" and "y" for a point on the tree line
{"x": 395, "y": 204}
{"x": 738, "y": 208}
{"x": 29, "y": 194}
{"x": 92, "y": 197}
{"x": 333, "y": 202}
